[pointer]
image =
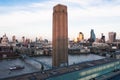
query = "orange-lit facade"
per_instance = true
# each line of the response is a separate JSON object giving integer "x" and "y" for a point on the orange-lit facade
{"x": 80, "y": 36}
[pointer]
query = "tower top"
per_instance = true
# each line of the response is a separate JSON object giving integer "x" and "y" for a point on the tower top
{"x": 58, "y": 5}
{"x": 60, "y": 8}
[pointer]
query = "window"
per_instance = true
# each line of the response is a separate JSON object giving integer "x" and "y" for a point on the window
{"x": 83, "y": 73}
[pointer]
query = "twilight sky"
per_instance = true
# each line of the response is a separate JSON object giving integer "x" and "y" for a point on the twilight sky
{"x": 33, "y": 18}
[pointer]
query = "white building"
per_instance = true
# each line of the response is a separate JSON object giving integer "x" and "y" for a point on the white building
{"x": 95, "y": 44}
{"x": 4, "y": 41}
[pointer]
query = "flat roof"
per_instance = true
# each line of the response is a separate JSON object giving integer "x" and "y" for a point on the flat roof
{"x": 63, "y": 70}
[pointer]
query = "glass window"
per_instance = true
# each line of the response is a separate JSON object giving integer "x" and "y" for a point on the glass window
{"x": 100, "y": 68}
{"x": 104, "y": 67}
{"x": 83, "y": 73}
{"x": 97, "y": 69}
{"x": 94, "y": 70}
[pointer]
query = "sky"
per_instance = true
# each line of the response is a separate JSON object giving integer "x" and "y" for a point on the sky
{"x": 33, "y": 18}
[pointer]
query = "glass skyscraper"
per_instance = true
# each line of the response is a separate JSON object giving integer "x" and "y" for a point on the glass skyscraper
{"x": 92, "y": 37}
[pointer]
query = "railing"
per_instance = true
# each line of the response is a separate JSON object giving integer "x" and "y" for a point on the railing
{"x": 40, "y": 62}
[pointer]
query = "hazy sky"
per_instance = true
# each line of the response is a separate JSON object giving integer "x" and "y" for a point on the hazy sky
{"x": 33, "y": 18}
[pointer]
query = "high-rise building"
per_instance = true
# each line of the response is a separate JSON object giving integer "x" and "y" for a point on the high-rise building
{"x": 4, "y": 40}
{"x": 102, "y": 38}
{"x": 36, "y": 39}
{"x": 13, "y": 38}
{"x": 80, "y": 37}
{"x": 60, "y": 36}
{"x": 92, "y": 36}
{"x": 112, "y": 37}
{"x": 23, "y": 39}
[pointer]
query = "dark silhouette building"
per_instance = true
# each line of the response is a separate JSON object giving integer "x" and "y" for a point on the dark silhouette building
{"x": 92, "y": 36}
{"x": 60, "y": 36}
{"x": 102, "y": 38}
{"x": 112, "y": 37}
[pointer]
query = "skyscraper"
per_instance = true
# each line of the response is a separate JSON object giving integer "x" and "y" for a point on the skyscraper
{"x": 60, "y": 36}
{"x": 112, "y": 37}
{"x": 102, "y": 38}
{"x": 23, "y": 39}
{"x": 92, "y": 36}
{"x": 80, "y": 36}
{"x": 13, "y": 38}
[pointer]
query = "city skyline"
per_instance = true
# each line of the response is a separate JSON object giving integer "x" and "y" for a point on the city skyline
{"x": 33, "y": 18}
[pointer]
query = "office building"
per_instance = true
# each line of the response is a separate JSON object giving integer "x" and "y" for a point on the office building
{"x": 112, "y": 37}
{"x": 13, "y": 39}
{"x": 92, "y": 36}
{"x": 80, "y": 37}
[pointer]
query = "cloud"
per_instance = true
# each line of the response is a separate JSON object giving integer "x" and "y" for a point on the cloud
{"x": 101, "y": 8}
{"x": 36, "y": 18}
{"x": 24, "y": 21}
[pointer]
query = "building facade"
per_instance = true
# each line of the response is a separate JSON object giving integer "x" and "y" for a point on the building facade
{"x": 80, "y": 37}
{"x": 13, "y": 39}
{"x": 60, "y": 36}
{"x": 112, "y": 37}
{"x": 92, "y": 36}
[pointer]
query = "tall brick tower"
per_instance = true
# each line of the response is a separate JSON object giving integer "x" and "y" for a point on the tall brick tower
{"x": 60, "y": 36}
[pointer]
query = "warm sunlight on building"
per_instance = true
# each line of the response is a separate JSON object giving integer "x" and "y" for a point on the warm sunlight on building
{"x": 80, "y": 37}
{"x": 75, "y": 39}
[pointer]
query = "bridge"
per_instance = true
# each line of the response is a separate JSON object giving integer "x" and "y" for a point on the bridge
{"x": 24, "y": 56}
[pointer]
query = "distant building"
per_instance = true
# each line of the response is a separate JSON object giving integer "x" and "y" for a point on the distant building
{"x": 75, "y": 40}
{"x": 92, "y": 36}
{"x": 98, "y": 40}
{"x": 112, "y": 37}
{"x": 6, "y": 52}
{"x": 23, "y": 39}
{"x": 0, "y": 39}
{"x": 100, "y": 45}
{"x": 80, "y": 37}
{"x": 13, "y": 39}
{"x": 102, "y": 38}
{"x": 27, "y": 41}
{"x": 6, "y": 49}
{"x": 4, "y": 41}
{"x": 36, "y": 39}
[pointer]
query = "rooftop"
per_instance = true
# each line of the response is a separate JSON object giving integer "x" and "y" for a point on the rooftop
{"x": 31, "y": 66}
{"x": 62, "y": 70}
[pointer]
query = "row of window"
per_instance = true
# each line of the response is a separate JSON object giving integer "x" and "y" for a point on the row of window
{"x": 100, "y": 68}
{"x": 95, "y": 71}
{"x": 89, "y": 77}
